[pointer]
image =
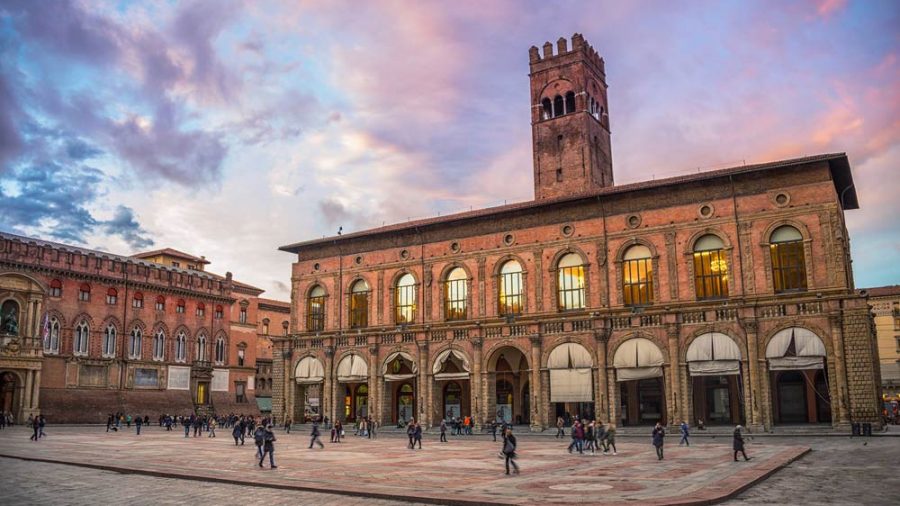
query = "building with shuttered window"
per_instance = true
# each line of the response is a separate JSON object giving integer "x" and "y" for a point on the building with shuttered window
{"x": 724, "y": 296}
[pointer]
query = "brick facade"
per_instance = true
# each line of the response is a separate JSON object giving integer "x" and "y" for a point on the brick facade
{"x": 96, "y": 291}
{"x": 504, "y": 364}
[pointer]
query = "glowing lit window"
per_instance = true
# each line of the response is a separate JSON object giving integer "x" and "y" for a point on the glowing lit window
{"x": 359, "y": 305}
{"x": 456, "y": 294}
{"x": 315, "y": 310}
{"x": 405, "y": 299}
{"x": 637, "y": 276}
{"x": 788, "y": 260}
{"x": 570, "y": 272}
{"x": 510, "y": 302}
{"x": 710, "y": 268}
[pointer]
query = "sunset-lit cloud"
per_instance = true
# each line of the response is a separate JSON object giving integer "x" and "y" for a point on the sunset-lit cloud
{"x": 229, "y": 128}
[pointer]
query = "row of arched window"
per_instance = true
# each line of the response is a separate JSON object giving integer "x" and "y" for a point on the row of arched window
{"x": 135, "y": 343}
{"x": 558, "y": 106}
{"x": 710, "y": 269}
{"x": 137, "y": 299}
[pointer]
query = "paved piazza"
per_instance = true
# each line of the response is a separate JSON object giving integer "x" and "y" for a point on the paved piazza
{"x": 465, "y": 470}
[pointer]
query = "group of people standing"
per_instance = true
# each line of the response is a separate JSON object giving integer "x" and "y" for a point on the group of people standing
{"x": 589, "y": 436}
{"x": 37, "y": 424}
{"x": 6, "y": 419}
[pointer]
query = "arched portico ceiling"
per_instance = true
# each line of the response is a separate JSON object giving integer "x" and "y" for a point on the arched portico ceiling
{"x": 392, "y": 376}
{"x": 442, "y": 358}
{"x": 713, "y": 354}
{"x": 795, "y": 348}
{"x": 352, "y": 369}
{"x": 570, "y": 373}
{"x": 638, "y": 358}
{"x": 309, "y": 371}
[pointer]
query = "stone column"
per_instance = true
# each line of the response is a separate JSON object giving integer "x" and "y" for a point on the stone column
{"x": 36, "y": 393}
{"x": 424, "y": 412}
{"x": 373, "y": 381}
{"x": 840, "y": 373}
{"x": 537, "y": 421}
{"x": 475, "y": 385}
{"x": 27, "y": 398}
{"x": 613, "y": 396}
{"x": 677, "y": 396}
{"x": 328, "y": 386}
{"x": 756, "y": 398}
{"x": 601, "y": 402}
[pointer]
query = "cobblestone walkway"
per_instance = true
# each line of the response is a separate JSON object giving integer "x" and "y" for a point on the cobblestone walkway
{"x": 461, "y": 471}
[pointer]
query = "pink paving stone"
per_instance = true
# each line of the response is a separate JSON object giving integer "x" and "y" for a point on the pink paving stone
{"x": 463, "y": 471}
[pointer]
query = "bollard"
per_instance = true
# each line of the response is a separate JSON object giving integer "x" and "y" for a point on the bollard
{"x": 867, "y": 429}
{"x": 854, "y": 428}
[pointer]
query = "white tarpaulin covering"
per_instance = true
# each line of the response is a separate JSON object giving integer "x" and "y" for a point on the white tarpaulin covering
{"x": 352, "y": 369}
{"x": 571, "y": 385}
{"x": 570, "y": 356}
{"x": 445, "y": 355}
{"x": 402, "y": 354}
{"x": 636, "y": 359}
{"x": 809, "y": 348}
{"x": 713, "y": 354}
{"x": 398, "y": 377}
{"x": 309, "y": 371}
{"x": 570, "y": 373}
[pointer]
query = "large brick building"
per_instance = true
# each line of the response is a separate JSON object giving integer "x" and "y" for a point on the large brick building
{"x": 84, "y": 333}
{"x": 725, "y": 296}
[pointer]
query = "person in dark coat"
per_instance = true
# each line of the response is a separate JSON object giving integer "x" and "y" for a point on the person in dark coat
{"x": 509, "y": 450}
{"x": 314, "y": 436}
{"x": 410, "y": 433}
{"x": 268, "y": 447}
{"x": 738, "y": 445}
{"x": 443, "y": 431}
{"x": 236, "y": 433}
{"x": 417, "y": 436}
{"x": 659, "y": 436}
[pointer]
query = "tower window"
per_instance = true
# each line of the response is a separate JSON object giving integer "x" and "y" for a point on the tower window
{"x": 558, "y": 108}
{"x": 547, "y": 109}
{"x": 570, "y": 102}
{"x": 559, "y": 175}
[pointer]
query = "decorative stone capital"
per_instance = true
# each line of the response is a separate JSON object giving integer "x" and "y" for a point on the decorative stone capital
{"x": 477, "y": 342}
{"x": 329, "y": 351}
{"x": 751, "y": 326}
{"x": 602, "y": 334}
{"x": 836, "y": 320}
{"x": 535, "y": 340}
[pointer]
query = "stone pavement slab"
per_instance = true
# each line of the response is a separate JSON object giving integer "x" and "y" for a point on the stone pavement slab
{"x": 463, "y": 471}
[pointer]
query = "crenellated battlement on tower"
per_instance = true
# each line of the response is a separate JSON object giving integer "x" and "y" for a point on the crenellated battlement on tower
{"x": 580, "y": 48}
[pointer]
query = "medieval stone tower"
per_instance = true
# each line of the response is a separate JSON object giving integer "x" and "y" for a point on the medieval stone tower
{"x": 569, "y": 119}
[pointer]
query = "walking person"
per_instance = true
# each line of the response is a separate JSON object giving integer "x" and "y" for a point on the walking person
{"x": 417, "y": 436}
{"x": 187, "y": 426}
{"x": 287, "y": 425}
{"x": 314, "y": 436}
{"x": 138, "y": 423}
{"x": 109, "y": 422}
{"x": 259, "y": 438}
{"x": 610, "y": 439}
{"x": 338, "y": 431}
{"x": 659, "y": 435}
{"x": 212, "y": 427}
{"x": 589, "y": 435}
{"x": 411, "y": 432}
{"x": 443, "y": 431}
{"x": 494, "y": 430}
{"x": 738, "y": 444}
{"x": 684, "y": 434}
{"x": 509, "y": 450}
{"x": 42, "y": 421}
{"x": 268, "y": 447}
{"x": 372, "y": 427}
{"x": 560, "y": 432}
{"x": 35, "y": 426}
{"x": 236, "y": 433}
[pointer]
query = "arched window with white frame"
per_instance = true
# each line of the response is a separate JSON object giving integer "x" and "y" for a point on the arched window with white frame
{"x": 220, "y": 350}
{"x": 201, "y": 348}
{"x": 510, "y": 295}
{"x": 570, "y": 278}
{"x": 51, "y": 336}
{"x": 180, "y": 347}
{"x": 159, "y": 345}
{"x": 109, "y": 341}
{"x": 135, "y": 342}
{"x": 80, "y": 344}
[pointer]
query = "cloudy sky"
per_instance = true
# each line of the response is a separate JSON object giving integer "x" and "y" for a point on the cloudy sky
{"x": 228, "y": 128}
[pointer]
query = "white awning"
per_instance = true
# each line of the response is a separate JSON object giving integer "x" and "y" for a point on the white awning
{"x": 796, "y": 363}
{"x": 445, "y": 355}
{"x": 398, "y": 377}
{"x": 638, "y": 358}
{"x": 570, "y": 356}
{"x": 571, "y": 385}
{"x": 806, "y": 343}
{"x": 713, "y": 354}
{"x": 444, "y": 376}
{"x": 309, "y": 370}
{"x": 352, "y": 369}
{"x": 714, "y": 367}
{"x": 402, "y": 354}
